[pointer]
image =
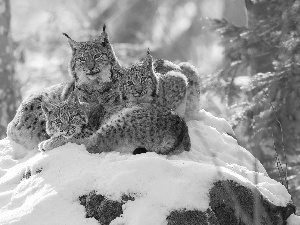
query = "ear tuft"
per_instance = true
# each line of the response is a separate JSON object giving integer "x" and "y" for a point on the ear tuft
{"x": 149, "y": 58}
{"x": 73, "y": 44}
{"x": 103, "y": 38}
{"x": 66, "y": 35}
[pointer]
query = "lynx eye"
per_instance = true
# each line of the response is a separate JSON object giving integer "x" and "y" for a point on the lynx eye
{"x": 82, "y": 59}
{"x": 97, "y": 56}
{"x": 75, "y": 119}
{"x": 130, "y": 83}
{"x": 58, "y": 122}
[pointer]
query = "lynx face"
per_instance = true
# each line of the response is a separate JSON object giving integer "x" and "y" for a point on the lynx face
{"x": 139, "y": 82}
{"x": 64, "y": 118}
{"x": 91, "y": 61}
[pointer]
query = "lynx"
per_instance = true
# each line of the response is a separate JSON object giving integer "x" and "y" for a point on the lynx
{"x": 91, "y": 66}
{"x": 69, "y": 119}
{"x": 28, "y": 127}
{"x": 174, "y": 86}
{"x": 138, "y": 83}
{"x": 98, "y": 78}
{"x": 142, "y": 126}
{"x": 90, "y": 69}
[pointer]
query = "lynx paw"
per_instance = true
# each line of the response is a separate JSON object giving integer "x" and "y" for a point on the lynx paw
{"x": 47, "y": 145}
{"x": 41, "y": 146}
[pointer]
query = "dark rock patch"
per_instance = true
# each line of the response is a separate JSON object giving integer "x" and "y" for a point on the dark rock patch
{"x": 139, "y": 151}
{"x": 192, "y": 217}
{"x": 230, "y": 204}
{"x": 101, "y": 208}
{"x": 38, "y": 170}
{"x": 235, "y": 204}
{"x": 27, "y": 173}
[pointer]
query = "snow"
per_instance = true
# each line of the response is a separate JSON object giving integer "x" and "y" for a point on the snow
{"x": 159, "y": 184}
{"x": 293, "y": 220}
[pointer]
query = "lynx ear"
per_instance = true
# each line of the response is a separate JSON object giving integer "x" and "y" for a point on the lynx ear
{"x": 103, "y": 38}
{"x": 73, "y": 44}
{"x": 148, "y": 60}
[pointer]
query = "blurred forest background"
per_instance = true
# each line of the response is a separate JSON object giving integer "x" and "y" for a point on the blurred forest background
{"x": 247, "y": 53}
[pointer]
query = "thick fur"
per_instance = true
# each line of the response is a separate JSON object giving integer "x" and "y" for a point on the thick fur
{"x": 90, "y": 67}
{"x": 138, "y": 83}
{"x": 100, "y": 78}
{"x": 148, "y": 126}
{"x": 28, "y": 127}
{"x": 144, "y": 126}
{"x": 69, "y": 119}
{"x": 178, "y": 83}
{"x": 100, "y": 81}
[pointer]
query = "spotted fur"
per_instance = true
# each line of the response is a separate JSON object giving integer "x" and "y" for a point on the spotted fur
{"x": 138, "y": 83}
{"x": 161, "y": 81}
{"x": 98, "y": 79}
{"x": 178, "y": 85}
{"x": 172, "y": 89}
{"x": 91, "y": 60}
{"x": 69, "y": 119}
{"x": 144, "y": 126}
{"x": 28, "y": 127}
{"x": 91, "y": 66}
{"x": 65, "y": 118}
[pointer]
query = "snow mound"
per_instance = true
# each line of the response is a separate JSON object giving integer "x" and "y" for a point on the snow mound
{"x": 43, "y": 188}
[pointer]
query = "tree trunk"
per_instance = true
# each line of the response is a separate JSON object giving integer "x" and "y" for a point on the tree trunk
{"x": 8, "y": 87}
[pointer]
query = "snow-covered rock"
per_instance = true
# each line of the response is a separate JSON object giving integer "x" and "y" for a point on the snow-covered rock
{"x": 57, "y": 187}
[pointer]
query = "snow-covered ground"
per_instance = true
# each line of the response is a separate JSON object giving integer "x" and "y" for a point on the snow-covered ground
{"x": 160, "y": 184}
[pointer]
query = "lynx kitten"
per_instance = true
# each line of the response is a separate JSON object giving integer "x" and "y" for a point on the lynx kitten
{"x": 143, "y": 126}
{"x": 138, "y": 83}
{"x": 28, "y": 127}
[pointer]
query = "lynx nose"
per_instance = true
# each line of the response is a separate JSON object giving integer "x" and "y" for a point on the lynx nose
{"x": 91, "y": 65}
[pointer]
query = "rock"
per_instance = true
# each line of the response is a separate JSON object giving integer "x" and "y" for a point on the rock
{"x": 192, "y": 217}
{"x": 230, "y": 203}
{"x": 233, "y": 204}
{"x": 101, "y": 208}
